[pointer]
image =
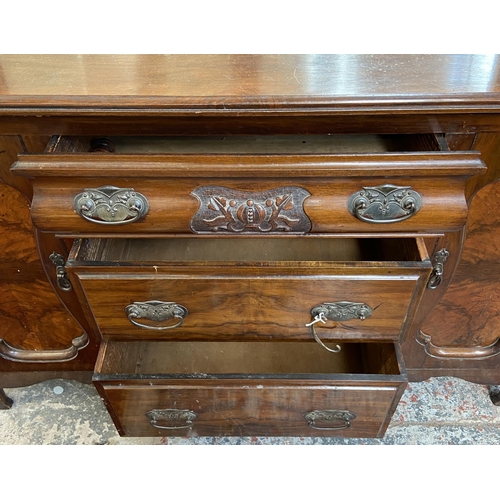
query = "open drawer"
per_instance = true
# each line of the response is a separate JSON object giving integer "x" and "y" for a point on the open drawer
{"x": 249, "y": 185}
{"x": 249, "y": 388}
{"x": 251, "y": 289}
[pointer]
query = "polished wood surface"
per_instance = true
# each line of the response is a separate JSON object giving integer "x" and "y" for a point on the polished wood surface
{"x": 459, "y": 333}
{"x": 250, "y": 290}
{"x": 223, "y": 410}
{"x": 32, "y": 316}
{"x": 248, "y": 94}
{"x": 168, "y": 181}
{"x": 254, "y": 81}
{"x": 452, "y": 102}
{"x": 470, "y": 308}
{"x": 233, "y": 392}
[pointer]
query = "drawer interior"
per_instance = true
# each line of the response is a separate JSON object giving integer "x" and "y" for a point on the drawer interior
{"x": 243, "y": 359}
{"x": 252, "y": 250}
{"x": 252, "y": 144}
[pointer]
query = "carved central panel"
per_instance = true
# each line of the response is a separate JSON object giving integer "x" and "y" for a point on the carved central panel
{"x": 228, "y": 210}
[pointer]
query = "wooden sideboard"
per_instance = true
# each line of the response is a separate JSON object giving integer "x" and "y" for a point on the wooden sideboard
{"x": 249, "y": 245}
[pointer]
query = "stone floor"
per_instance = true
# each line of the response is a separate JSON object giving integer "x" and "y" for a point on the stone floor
{"x": 438, "y": 411}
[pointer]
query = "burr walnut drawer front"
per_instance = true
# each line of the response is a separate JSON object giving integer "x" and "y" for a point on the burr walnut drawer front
{"x": 252, "y": 288}
{"x": 249, "y": 389}
{"x": 250, "y": 185}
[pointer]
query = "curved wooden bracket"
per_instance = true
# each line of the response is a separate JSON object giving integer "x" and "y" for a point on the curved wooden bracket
{"x": 54, "y": 356}
{"x": 451, "y": 352}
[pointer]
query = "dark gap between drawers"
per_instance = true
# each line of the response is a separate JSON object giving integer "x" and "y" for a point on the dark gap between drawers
{"x": 254, "y": 144}
{"x": 265, "y": 249}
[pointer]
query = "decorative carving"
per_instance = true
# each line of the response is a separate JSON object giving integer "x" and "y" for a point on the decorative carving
{"x": 436, "y": 277}
{"x": 54, "y": 356}
{"x": 343, "y": 416}
{"x": 342, "y": 311}
{"x": 111, "y": 205}
{"x": 275, "y": 211}
{"x": 384, "y": 204}
{"x": 156, "y": 310}
{"x": 169, "y": 415}
{"x": 63, "y": 281}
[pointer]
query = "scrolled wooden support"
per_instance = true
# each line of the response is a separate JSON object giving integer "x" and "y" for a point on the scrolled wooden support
{"x": 50, "y": 356}
{"x": 459, "y": 352}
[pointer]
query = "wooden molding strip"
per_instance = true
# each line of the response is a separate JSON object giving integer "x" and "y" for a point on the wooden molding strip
{"x": 26, "y": 356}
{"x": 449, "y": 352}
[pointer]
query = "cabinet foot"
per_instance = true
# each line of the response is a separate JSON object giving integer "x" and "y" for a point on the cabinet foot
{"x": 5, "y": 402}
{"x": 495, "y": 394}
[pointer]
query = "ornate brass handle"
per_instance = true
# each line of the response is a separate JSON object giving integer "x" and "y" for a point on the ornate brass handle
{"x": 436, "y": 277}
{"x": 343, "y": 416}
{"x": 337, "y": 311}
{"x": 111, "y": 205}
{"x": 384, "y": 204}
{"x": 171, "y": 415}
{"x": 156, "y": 310}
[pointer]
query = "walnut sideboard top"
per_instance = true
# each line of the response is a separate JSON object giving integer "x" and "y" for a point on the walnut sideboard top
{"x": 153, "y": 86}
{"x": 250, "y": 81}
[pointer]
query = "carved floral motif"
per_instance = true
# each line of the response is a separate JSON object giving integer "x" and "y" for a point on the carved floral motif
{"x": 274, "y": 211}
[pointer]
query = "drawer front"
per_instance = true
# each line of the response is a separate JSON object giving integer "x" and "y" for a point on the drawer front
{"x": 207, "y": 304}
{"x": 256, "y": 409}
{"x": 249, "y": 194}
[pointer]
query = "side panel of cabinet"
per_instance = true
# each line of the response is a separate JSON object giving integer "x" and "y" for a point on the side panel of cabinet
{"x": 33, "y": 318}
{"x": 460, "y": 336}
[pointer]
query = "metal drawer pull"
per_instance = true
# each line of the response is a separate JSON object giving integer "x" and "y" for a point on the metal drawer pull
{"x": 171, "y": 415}
{"x": 111, "y": 205}
{"x": 436, "y": 277}
{"x": 384, "y": 204}
{"x": 343, "y": 416}
{"x": 337, "y": 311}
{"x": 156, "y": 310}
{"x": 63, "y": 281}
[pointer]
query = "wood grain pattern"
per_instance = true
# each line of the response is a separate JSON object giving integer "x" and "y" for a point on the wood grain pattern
{"x": 200, "y": 95}
{"x": 457, "y": 327}
{"x": 252, "y": 411}
{"x": 253, "y": 404}
{"x": 469, "y": 313}
{"x": 248, "y": 94}
{"x": 255, "y": 296}
{"x": 168, "y": 181}
{"x": 239, "y": 81}
{"x": 148, "y": 123}
{"x": 33, "y": 319}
